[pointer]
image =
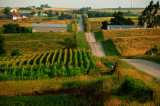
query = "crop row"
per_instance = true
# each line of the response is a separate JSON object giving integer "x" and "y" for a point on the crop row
{"x": 52, "y": 64}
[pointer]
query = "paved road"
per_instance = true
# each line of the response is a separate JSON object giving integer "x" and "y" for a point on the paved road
{"x": 80, "y": 25}
{"x": 148, "y": 67}
{"x": 96, "y": 47}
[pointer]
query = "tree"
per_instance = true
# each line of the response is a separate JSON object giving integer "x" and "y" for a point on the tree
{"x": 50, "y": 14}
{"x": 118, "y": 18}
{"x": 39, "y": 13}
{"x": 7, "y": 10}
{"x": 14, "y": 28}
{"x": 149, "y": 15}
{"x": 33, "y": 12}
{"x": 2, "y": 50}
{"x": 104, "y": 25}
{"x": 57, "y": 14}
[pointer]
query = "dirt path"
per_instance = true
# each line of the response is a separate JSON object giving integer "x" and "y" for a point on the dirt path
{"x": 80, "y": 25}
{"x": 148, "y": 67}
{"x": 96, "y": 47}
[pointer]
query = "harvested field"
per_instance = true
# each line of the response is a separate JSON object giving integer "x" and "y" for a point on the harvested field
{"x": 134, "y": 42}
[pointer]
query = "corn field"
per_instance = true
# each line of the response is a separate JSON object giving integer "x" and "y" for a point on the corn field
{"x": 58, "y": 63}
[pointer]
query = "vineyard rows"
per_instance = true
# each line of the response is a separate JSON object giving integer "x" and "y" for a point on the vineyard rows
{"x": 51, "y": 64}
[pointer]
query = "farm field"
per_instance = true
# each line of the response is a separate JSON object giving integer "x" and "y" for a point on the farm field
{"x": 47, "y": 65}
{"x": 35, "y": 42}
{"x": 134, "y": 42}
{"x": 101, "y": 19}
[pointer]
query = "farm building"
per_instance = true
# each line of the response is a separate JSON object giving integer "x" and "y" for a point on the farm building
{"x": 49, "y": 27}
{"x": 14, "y": 16}
{"x": 115, "y": 27}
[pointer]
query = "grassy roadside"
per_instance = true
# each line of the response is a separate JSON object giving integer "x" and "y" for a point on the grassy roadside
{"x": 82, "y": 43}
{"x": 155, "y": 59}
{"x": 108, "y": 45}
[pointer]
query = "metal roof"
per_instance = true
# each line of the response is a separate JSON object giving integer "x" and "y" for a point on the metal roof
{"x": 49, "y": 25}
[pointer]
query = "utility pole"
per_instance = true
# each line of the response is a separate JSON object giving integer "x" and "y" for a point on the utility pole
{"x": 131, "y": 3}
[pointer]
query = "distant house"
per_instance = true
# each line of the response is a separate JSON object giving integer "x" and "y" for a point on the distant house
{"x": 49, "y": 27}
{"x": 115, "y": 27}
{"x": 13, "y": 10}
{"x": 44, "y": 15}
{"x": 14, "y": 16}
{"x": 35, "y": 15}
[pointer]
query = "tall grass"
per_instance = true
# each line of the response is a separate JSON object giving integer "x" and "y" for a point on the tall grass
{"x": 82, "y": 43}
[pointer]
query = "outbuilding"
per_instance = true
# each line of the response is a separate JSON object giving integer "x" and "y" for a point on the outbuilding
{"x": 49, "y": 27}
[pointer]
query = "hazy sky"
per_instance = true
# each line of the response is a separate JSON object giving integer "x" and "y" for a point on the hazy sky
{"x": 76, "y": 3}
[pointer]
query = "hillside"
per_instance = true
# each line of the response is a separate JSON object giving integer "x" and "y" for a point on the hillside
{"x": 35, "y": 42}
{"x": 133, "y": 42}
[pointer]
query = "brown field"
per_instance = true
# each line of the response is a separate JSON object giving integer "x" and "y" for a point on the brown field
{"x": 100, "y": 19}
{"x": 134, "y": 42}
{"x": 134, "y": 11}
{"x": 57, "y": 9}
{"x": 34, "y": 20}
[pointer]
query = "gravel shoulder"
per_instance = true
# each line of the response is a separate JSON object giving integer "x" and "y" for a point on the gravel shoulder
{"x": 148, "y": 67}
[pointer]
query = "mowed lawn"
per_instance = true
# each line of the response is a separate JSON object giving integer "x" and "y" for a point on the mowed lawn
{"x": 134, "y": 42}
{"x": 35, "y": 42}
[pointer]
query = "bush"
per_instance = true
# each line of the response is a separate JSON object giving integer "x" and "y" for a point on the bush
{"x": 153, "y": 50}
{"x": 15, "y": 53}
{"x": 2, "y": 50}
{"x": 137, "y": 89}
{"x": 14, "y": 28}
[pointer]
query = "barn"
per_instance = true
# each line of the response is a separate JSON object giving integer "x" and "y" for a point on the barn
{"x": 49, "y": 27}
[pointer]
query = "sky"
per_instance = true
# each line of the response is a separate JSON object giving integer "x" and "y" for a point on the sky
{"x": 76, "y": 3}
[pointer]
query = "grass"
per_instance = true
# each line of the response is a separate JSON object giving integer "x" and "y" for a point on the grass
{"x": 1, "y": 30}
{"x": 43, "y": 100}
{"x": 110, "y": 48}
{"x": 82, "y": 43}
{"x": 35, "y": 42}
{"x": 134, "y": 42}
{"x": 108, "y": 45}
{"x": 155, "y": 59}
{"x": 69, "y": 27}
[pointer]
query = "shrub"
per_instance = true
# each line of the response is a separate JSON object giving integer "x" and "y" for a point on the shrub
{"x": 14, "y": 28}
{"x": 2, "y": 50}
{"x": 153, "y": 50}
{"x": 137, "y": 89}
{"x": 15, "y": 52}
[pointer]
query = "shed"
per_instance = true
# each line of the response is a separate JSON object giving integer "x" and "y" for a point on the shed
{"x": 49, "y": 27}
{"x": 115, "y": 27}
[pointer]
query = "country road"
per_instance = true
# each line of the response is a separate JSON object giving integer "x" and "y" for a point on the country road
{"x": 80, "y": 25}
{"x": 96, "y": 47}
{"x": 148, "y": 67}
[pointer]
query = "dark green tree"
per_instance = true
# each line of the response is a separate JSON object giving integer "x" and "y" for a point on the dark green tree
{"x": 33, "y": 12}
{"x": 118, "y": 18}
{"x": 57, "y": 14}
{"x": 149, "y": 15}
{"x": 2, "y": 50}
{"x": 7, "y": 10}
{"x": 129, "y": 21}
{"x": 50, "y": 13}
{"x": 14, "y": 28}
{"x": 104, "y": 25}
{"x": 39, "y": 13}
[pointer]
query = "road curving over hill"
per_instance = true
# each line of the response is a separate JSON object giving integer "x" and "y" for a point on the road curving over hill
{"x": 148, "y": 67}
{"x": 96, "y": 47}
